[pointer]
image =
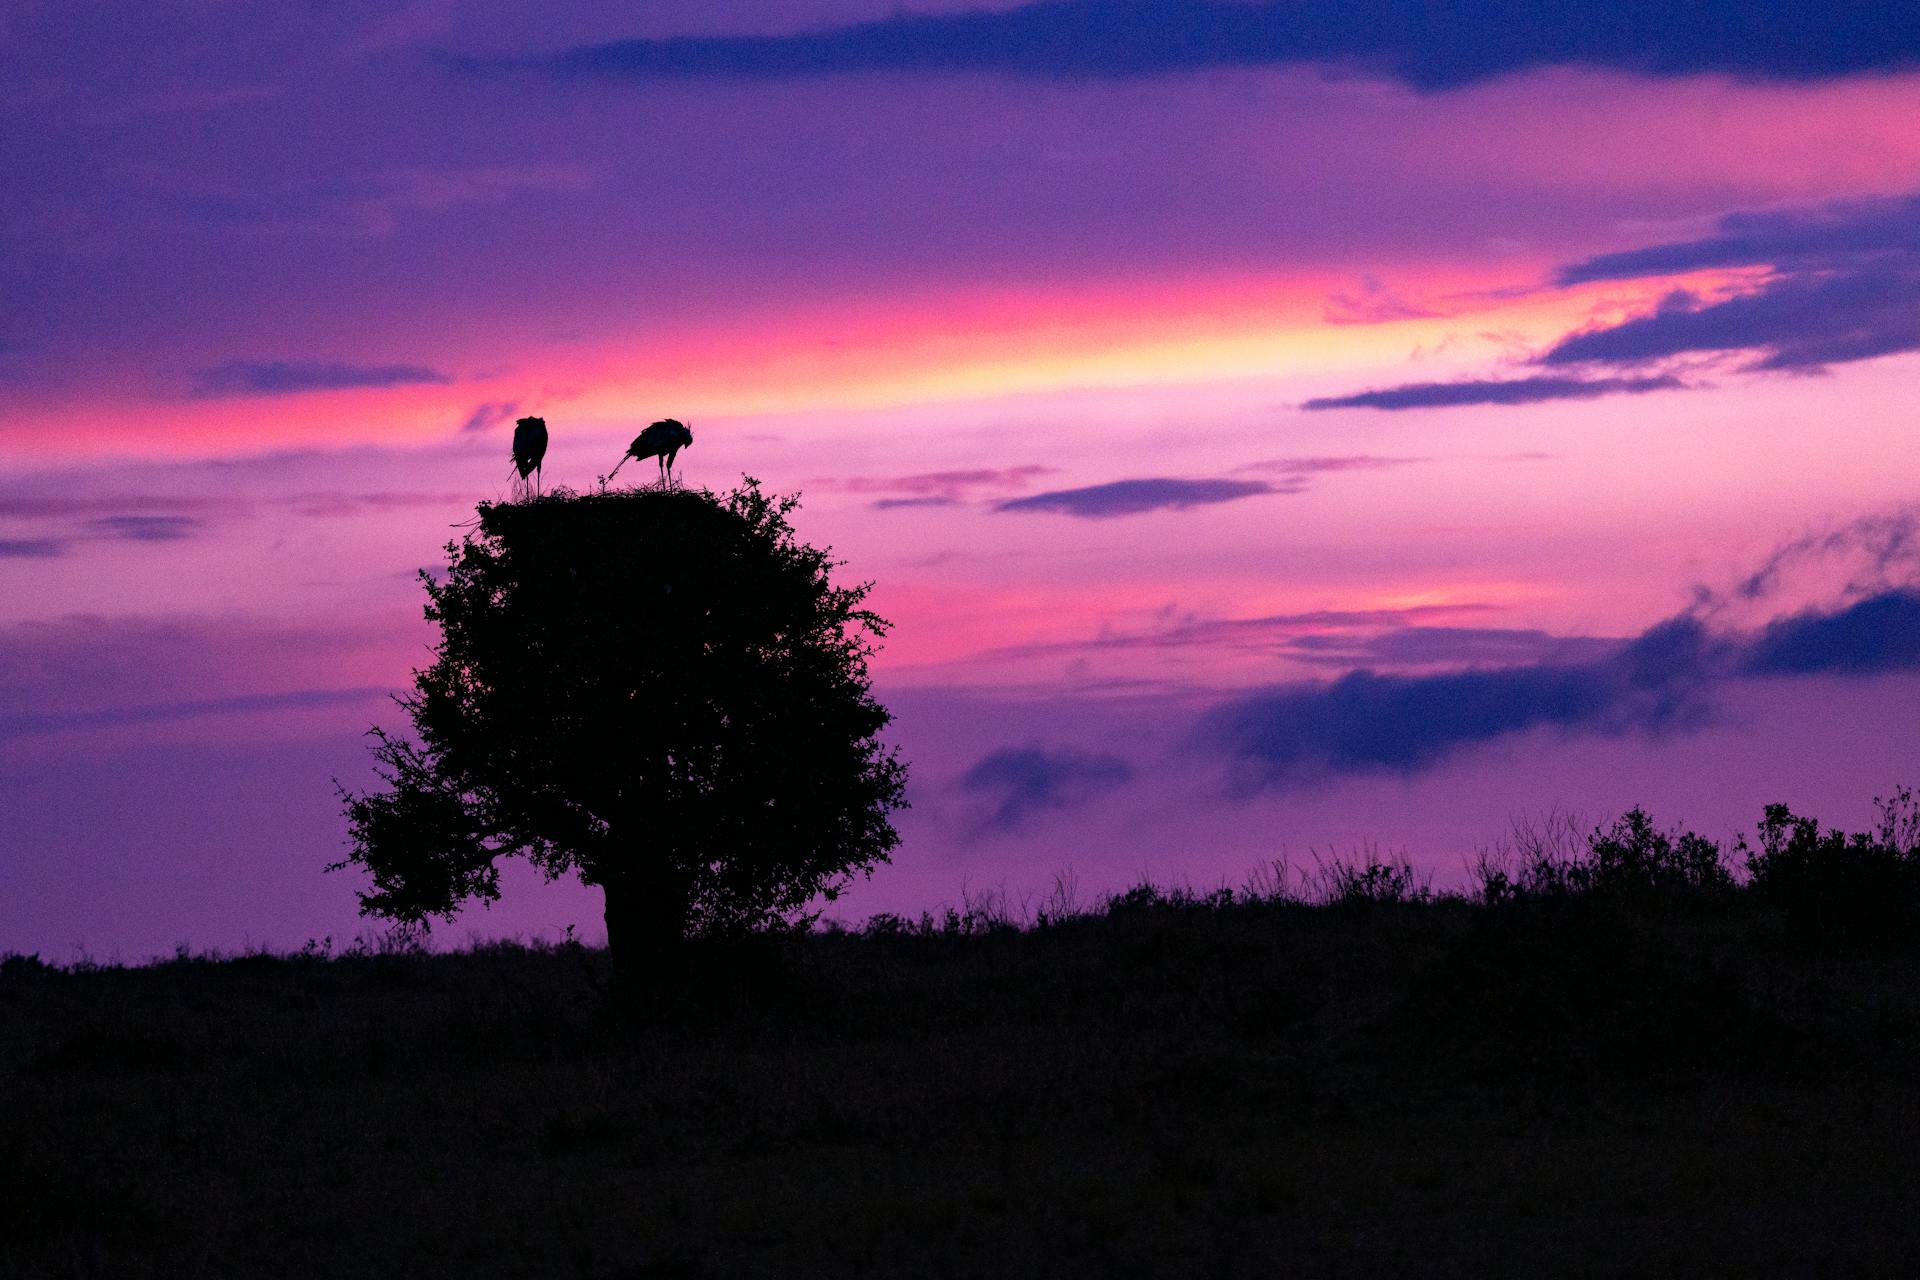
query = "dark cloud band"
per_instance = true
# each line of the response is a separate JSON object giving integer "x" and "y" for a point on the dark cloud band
{"x": 1831, "y": 284}
{"x": 1876, "y": 635}
{"x": 1492, "y": 391}
{"x": 145, "y": 528}
{"x": 1136, "y": 497}
{"x": 291, "y": 377}
{"x": 1795, "y": 322}
{"x": 1776, "y": 237}
{"x": 1370, "y": 723}
{"x": 1844, "y": 286}
{"x": 1427, "y": 46}
{"x": 1365, "y": 722}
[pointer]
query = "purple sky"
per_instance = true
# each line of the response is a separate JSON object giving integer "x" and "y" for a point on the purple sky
{"x": 1272, "y": 427}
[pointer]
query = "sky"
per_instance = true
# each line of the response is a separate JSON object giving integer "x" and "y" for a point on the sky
{"x": 1276, "y": 430}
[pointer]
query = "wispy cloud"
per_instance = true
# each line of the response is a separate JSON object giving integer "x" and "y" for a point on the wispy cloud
{"x": 144, "y": 528}
{"x": 373, "y": 203}
{"x": 1023, "y": 782}
{"x": 1492, "y": 391}
{"x": 1328, "y": 465}
{"x": 1371, "y": 303}
{"x": 292, "y": 377}
{"x": 1826, "y": 284}
{"x": 1136, "y": 497}
{"x": 82, "y": 671}
{"x": 1427, "y": 646}
{"x": 32, "y": 548}
{"x": 19, "y": 725}
{"x": 491, "y": 413}
{"x": 33, "y": 506}
{"x": 1868, "y": 555}
{"x": 1280, "y": 634}
{"x": 939, "y": 488}
{"x": 321, "y": 505}
{"x": 58, "y": 522}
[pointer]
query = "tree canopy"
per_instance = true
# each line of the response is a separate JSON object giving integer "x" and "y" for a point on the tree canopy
{"x": 660, "y": 690}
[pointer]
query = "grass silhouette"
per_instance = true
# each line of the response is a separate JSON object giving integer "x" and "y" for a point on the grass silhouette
{"x": 1640, "y": 1067}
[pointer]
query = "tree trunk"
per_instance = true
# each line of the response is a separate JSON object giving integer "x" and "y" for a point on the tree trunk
{"x": 646, "y": 922}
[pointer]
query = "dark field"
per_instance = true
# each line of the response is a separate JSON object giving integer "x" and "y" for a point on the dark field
{"x": 1554, "y": 1087}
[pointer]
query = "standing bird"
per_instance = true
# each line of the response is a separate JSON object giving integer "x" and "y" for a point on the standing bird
{"x": 662, "y": 440}
{"x": 529, "y": 447}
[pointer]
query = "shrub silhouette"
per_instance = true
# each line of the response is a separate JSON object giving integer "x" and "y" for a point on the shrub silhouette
{"x": 1630, "y": 857}
{"x": 1634, "y": 855}
{"x": 660, "y": 690}
{"x": 1838, "y": 887}
{"x": 1370, "y": 881}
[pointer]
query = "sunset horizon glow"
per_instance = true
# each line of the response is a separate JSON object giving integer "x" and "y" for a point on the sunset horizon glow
{"x": 1231, "y": 414}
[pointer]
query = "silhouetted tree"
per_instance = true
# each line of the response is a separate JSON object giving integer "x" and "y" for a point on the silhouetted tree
{"x": 660, "y": 690}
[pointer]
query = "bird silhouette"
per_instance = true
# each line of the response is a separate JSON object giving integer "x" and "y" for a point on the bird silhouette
{"x": 529, "y": 447}
{"x": 662, "y": 440}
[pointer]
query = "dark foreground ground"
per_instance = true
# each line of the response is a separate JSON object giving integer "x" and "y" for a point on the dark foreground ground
{"x": 1547, "y": 1089}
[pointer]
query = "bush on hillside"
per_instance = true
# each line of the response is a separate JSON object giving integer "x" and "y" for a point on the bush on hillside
{"x": 1838, "y": 887}
{"x": 1630, "y": 857}
{"x": 1370, "y": 880}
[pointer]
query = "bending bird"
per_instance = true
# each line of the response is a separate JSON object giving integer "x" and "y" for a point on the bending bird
{"x": 529, "y": 447}
{"x": 662, "y": 440}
